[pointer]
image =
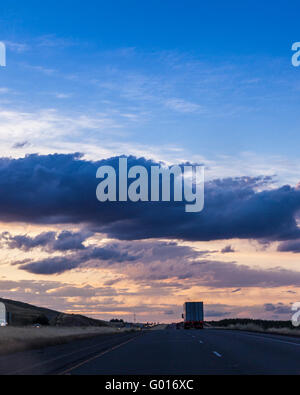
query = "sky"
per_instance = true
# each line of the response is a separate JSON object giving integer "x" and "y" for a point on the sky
{"x": 172, "y": 82}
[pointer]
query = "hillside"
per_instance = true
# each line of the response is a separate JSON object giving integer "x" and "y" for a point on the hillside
{"x": 20, "y": 313}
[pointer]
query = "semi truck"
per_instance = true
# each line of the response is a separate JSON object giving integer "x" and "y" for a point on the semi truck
{"x": 193, "y": 315}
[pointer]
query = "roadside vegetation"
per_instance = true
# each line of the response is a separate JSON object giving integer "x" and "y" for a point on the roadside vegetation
{"x": 276, "y": 327}
{"x": 14, "y": 339}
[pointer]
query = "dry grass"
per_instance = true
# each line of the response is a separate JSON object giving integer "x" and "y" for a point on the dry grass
{"x": 14, "y": 339}
{"x": 257, "y": 328}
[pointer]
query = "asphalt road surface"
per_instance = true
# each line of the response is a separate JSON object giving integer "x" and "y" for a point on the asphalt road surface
{"x": 164, "y": 352}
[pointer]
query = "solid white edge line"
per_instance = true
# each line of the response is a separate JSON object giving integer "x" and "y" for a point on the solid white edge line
{"x": 262, "y": 337}
{"x": 69, "y": 370}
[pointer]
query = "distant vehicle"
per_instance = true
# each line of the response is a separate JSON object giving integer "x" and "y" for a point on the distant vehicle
{"x": 193, "y": 315}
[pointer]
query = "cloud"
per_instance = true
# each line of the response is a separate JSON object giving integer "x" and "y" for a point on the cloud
{"x": 63, "y": 95}
{"x": 55, "y": 289}
{"x": 230, "y": 275}
{"x": 106, "y": 302}
{"x": 167, "y": 266}
{"x": 184, "y": 106}
{"x": 62, "y": 296}
{"x": 41, "y": 69}
{"x": 57, "y": 189}
{"x": 290, "y": 246}
{"x": 61, "y": 264}
{"x": 279, "y": 308}
{"x": 52, "y": 41}
{"x": 48, "y": 130}
{"x": 49, "y": 241}
{"x": 227, "y": 249}
{"x": 267, "y": 311}
{"x": 209, "y": 273}
{"x": 4, "y": 90}
{"x": 20, "y": 145}
{"x": 169, "y": 312}
{"x": 111, "y": 253}
{"x": 217, "y": 314}
{"x": 17, "y": 47}
{"x": 87, "y": 291}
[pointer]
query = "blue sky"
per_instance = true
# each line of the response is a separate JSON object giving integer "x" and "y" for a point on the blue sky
{"x": 182, "y": 80}
{"x": 166, "y": 80}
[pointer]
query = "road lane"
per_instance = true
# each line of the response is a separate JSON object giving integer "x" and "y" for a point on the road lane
{"x": 256, "y": 353}
{"x": 160, "y": 353}
{"x": 51, "y": 360}
{"x": 165, "y": 352}
{"x": 200, "y": 352}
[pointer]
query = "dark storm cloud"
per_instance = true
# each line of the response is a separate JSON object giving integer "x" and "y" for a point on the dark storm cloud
{"x": 62, "y": 189}
{"x": 140, "y": 252}
{"x": 66, "y": 241}
{"x": 59, "y": 264}
{"x": 148, "y": 262}
{"x": 227, "y": 250}
{"x": 290, "y": 246}
{"x": 26, "y": 243}
{"x": 148, "y": 265}
{"x": 278, "y": 308}
{"x": 54, "y": 265}
{"x": 50, "y": 241}
{"x": 55, "y": 189}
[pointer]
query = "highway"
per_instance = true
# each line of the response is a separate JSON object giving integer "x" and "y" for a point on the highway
{"x": 163, "y": 352}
